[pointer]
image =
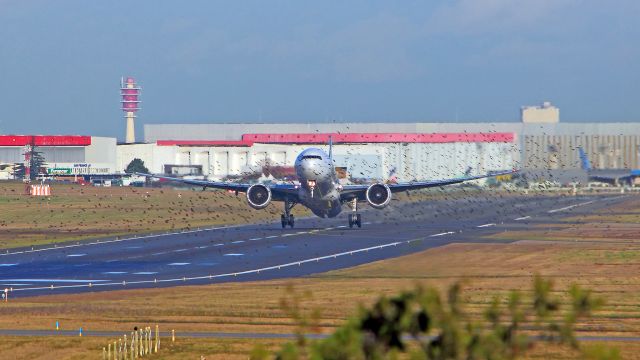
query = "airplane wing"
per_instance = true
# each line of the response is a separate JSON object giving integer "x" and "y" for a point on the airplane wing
{"x": 278, "y": 191}
{"x": 359, "y": 190}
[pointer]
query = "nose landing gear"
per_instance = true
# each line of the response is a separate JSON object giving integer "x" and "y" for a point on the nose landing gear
{"x": 354, "y": 217}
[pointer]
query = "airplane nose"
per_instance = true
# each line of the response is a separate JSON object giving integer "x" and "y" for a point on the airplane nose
{"x": 312, "y": 170}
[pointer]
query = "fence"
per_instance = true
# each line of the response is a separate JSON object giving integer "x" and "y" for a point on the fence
{"x": 140, "y": 343}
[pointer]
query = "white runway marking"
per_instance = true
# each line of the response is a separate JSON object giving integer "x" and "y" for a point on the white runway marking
{"x": 180, "y": 250}
{"x": 178, "y": 264}
{"x": 523, "y": 218}
{"x": 233, "y": 254}
{"x": 114, "y": 272}
{"x": 7, "y": 265}
{"x": 271, "y": 237}
{"x": 16, "y": 284}
{"x": 238, "y": 242}
{"x": 135, "y": 237}
{"x": 285, "y": 235}
{"x": 570, "y": 207}
{"x": 255, "y": 239}
{"x": 486, "y": 225}
{"x": 218, "y": 245}
{"x": 54, "y": 280}
{"x": 76, "y": 255}
{"x": 442, "y": 234}
{"x": 145, "y": 273}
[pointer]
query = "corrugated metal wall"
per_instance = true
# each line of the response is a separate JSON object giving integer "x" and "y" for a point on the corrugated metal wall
{"x": 561, "y": 151}
{"x": 67, "y": 154}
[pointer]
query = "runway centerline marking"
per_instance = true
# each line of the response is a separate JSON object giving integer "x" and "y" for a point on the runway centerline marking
{"x": 7, "y": 265}
{"x": 233, "y": 254}
{"x": 523, "y": 218}
{"x": 442, "y": 234}
{"x": 255, "y": 239}
{"x": 570, "y": 207}
{"x": 179, "y": 264}
{"x": 486, "y": 225}
{"x": 76, "y": 255}
{"x": 237, "y": 242}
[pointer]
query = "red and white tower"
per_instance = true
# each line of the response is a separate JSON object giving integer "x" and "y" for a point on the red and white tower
{"x": 129, "y": 91}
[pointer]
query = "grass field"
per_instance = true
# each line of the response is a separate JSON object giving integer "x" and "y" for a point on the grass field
{"x": 75, "y": 212}
{"x": 599, "y": 252}
{"x": 78, "y": 212}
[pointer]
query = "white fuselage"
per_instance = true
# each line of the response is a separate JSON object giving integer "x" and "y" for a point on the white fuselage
{"x": 319, "y": 190}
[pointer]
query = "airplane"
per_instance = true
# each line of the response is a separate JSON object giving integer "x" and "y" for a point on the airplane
{"x": 609, "y": 176}
{"x": 319, "y": 190}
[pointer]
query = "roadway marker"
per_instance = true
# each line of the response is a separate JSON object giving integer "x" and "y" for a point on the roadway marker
{"x": 486, "y": 225}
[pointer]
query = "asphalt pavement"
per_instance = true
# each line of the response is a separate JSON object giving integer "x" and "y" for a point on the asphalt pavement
{"x": 266, "y": 251}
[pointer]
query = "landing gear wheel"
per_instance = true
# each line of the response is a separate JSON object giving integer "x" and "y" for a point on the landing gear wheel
{"x": 359, "y": 220}
{"x": 353, "y": 220}
{"x": 287, "y": 218}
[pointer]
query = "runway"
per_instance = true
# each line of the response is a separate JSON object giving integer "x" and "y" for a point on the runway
{"x": 265, "y": 251}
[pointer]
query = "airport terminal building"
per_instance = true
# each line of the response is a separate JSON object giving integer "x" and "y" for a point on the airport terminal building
{"x": 64, "y": 155}
{"x": 364, "y": 151}
{"x": 407, "y": 151}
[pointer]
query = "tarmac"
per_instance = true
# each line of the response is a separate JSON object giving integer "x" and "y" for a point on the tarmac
{"x": 266, "y": 251}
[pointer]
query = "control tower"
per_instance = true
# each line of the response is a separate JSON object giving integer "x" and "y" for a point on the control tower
{"x": 129, "y": 91}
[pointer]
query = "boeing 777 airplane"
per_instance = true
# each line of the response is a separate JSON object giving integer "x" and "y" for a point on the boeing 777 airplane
{"x": 319, "y": 190}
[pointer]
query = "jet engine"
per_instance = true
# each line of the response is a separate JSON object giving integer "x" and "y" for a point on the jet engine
{"x": 378, "y": 195}
{"x": 258, "y": 196}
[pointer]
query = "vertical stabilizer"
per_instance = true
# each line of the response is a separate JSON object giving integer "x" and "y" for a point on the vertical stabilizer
{"x": 585, "y": 164}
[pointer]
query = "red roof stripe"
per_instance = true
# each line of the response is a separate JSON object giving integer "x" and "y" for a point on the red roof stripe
{"x": 45, "y": 140}
{"x": 306, "y": 138}
{"x": 380, "y": 138}
{"x": 204, "y": 143}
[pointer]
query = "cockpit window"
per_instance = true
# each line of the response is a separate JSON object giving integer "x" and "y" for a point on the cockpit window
{"x": 312, "y": 157}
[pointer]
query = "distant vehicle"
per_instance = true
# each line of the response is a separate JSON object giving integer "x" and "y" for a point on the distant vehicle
{"x": 319, "y": 189}
{"x": 611, "y": 177}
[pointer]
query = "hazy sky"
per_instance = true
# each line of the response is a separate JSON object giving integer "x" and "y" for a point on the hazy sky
{"x": 304, "y": 61}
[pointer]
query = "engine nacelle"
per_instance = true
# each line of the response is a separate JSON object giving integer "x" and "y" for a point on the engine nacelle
{"x": 378, "y": 195}
{"x": 258, "y": 196}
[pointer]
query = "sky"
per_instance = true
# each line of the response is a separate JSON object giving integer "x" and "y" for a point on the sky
{"x": 314, "y": 61}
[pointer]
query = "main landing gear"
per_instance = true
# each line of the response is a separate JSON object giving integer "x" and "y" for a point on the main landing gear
{"x": 354, "y": 217}
{"x": 287, "y": 218}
